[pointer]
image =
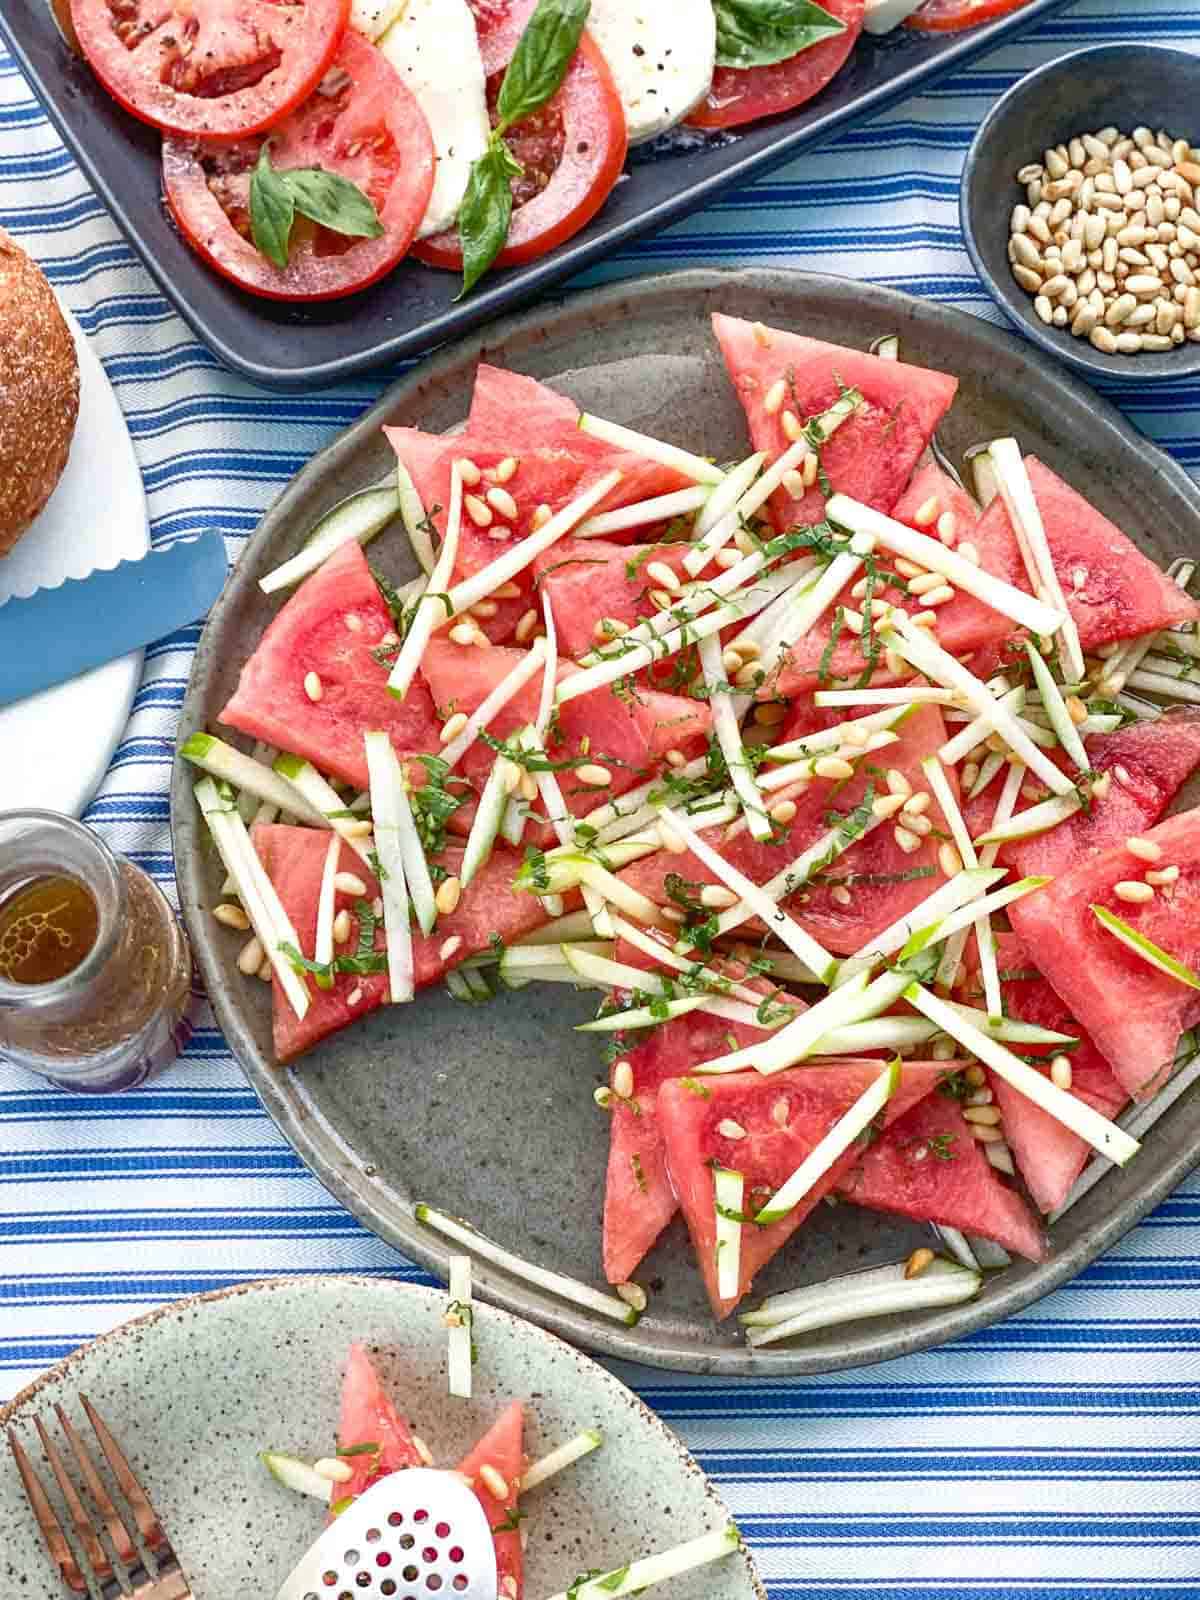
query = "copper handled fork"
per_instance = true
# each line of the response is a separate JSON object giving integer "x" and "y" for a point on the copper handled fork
{"x": 131, "y": 1577}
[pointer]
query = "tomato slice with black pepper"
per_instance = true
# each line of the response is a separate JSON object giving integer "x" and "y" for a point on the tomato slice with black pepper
{"x": 362, "y": 123}
{"x": 948, "y": 16}
{"x": 743, "y": 94}
{"x": 212, "y": 69}
{"x": 572, "y": 150}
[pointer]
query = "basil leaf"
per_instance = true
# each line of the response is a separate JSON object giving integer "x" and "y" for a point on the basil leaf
{"x": 333, "y": 201}
{"x": 758, "y": 33}
{"x": 486, "y": 211}
{"x": 540, "y": 61}
{"x": 272, "y": 209}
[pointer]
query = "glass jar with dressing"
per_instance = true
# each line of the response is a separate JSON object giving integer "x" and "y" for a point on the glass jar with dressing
{"x": 95, "y": 971}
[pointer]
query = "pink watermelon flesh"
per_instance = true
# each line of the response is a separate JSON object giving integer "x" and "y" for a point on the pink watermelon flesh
{"x": 512, "y": 409}
{"x": 690, "y": 1112}
{"x": 502, "y": 1448}
{"x": 1112, "y": 590}
{"x": 875, "y": 869}
{"x": 1133, "y": 1013}
{"x": 311, "y": 634}
{"x": 872, "y": 455}
{"x": 927, "y": 1166}
{"x": 369, "y": 1418}
{"x": 1049, "y": 1156}
{"x": 964, "y": 624}
{"x": 1149, "y": 762}
{"x": 294, "y": 859}
{"x": 586, "y": 579}
{"x": 638, "y": 1198}
{"x": 625, "y": 736}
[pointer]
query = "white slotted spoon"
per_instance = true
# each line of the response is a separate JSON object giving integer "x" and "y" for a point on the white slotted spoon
{"x": 419, "y": 1534}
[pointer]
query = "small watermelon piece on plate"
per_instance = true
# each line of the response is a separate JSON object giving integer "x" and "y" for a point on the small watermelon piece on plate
{"x": 784, "y": 1117}
{"x": 884, "y": 881}
{"x": 294, "y": 859}
{"x": 330, "y": 626}
{"x": 1049, "y": 1156}
{"x": 626, "y": 735}
{"x": 373, "y": 1438}
{"x": 638, "y": 1198}
{"x": 1112, "y": 590}
{"x": 502, "y": 1449}
{"x": 927, "y": 1166}
{"x": 1149, "y": 763}
{"x": 587, "y": 579}
{"x": 872, "y": 455}
{"x": 1133, "y": 1013}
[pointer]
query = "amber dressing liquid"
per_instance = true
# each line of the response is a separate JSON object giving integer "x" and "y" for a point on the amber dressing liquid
{"x": 46, "y": 930}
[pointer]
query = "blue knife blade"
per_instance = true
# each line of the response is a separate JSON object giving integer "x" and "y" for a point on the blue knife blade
{"x": 55, "y": 634}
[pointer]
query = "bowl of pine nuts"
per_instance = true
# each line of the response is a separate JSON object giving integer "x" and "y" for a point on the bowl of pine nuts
{"x": 1080, "y": 208}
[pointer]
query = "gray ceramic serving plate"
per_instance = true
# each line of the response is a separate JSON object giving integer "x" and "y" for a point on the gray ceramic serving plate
{"x": 194, "y": 1390}
{"x": 487, "y": 1112}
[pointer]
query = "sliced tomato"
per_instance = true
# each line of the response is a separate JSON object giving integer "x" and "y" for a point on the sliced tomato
{"x": 362, "y": 123}
{"x": 948, "y": 16}
{"x": 743, "y": 94}
{"x": 213, "y": 69}
{"x": 572, "y": 150}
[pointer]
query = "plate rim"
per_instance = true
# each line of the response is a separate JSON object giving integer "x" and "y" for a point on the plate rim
{"x": 322, "y": 1149}
{"x": 583, "y": 251}
{"x": 11, "y": 1410}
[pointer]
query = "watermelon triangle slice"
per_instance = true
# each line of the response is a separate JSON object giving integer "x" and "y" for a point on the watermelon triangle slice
{"x": 638, "y": 1198}
{"x": 784, "y": 1117}
{"x": 502, "y": 1449}
{"x": 330, "y": 626}
{"x": 882, "y": 880}
{"x": 927, "y": 1166}
{"x": 872, "y": 455}
{"x": 1049, "y": 1156}
{"x": 626, "y": 735}
{"x": 587, "y": 579}
{"x": 1132, "y": 1012}
{"x": 294, "y": 859}
{"x": 371, "y": 1428}
{"x": 1149, "y": 762}
{"x": 1112, "y": 590}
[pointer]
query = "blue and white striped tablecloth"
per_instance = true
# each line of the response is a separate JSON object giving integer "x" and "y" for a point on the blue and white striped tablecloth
{"x": 1057, "y": 1455}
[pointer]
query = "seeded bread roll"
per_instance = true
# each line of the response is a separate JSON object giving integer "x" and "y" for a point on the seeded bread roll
{"x": 39, "y": 391}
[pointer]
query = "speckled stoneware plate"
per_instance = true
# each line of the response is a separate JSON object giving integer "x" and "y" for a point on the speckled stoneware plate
{"x": 487, "y": 1111}
{"x": 194, "y": 1390}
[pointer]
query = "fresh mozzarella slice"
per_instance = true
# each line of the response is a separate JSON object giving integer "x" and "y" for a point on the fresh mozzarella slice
{"x": 661, "y": 58}
{"x": 374, "y": 17}
{"x": 435, "y": 49}
{"x": 883, "y": 15}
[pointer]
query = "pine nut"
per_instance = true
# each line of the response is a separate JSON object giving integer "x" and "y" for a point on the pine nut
{"x": 1128, "y": 344}
{"x": 927, "y": 512}
{"x": 622, "y": 1081}
{"x": 897, "y": 783}
{"x": 918, "y": 1261}
{"x": 505, "y": 469}
{"x": 985, "y": 1133}
{"x": 449, "y": 893}
{"x": 1134, "y": 892}
{"x": 478, "y": 510}
{"x": 1060, "y": 1072}
{"x": 947, "y": 527}
{"x": 524, "y": 628}
{"x": 833, "y": 767}
{"x": 949, "y": 860}
{"x": 666, "y": 577}
{"x": 1144, "y": 849}
{"x": 926, "y": 582}
{"x": 781, "y": 1111}
{"x": 975, "y": 1076}
{"x": 468, "y": 471}
{"x": 251, "y": 956}
{"x": 1028, "y": 277}
{"x": 716, "y": 897}
{"x": 887, "y": 806}
{"x": 500, "y": 500}
{"x": 349, "y": 883}
{"x": 939, "y": 596}
{"x": 231, "y": 916}
{"x": 341, "y": 927}
{"x": 784, "y": 812}
{"x": 594, "y": 775}
{"x": 464, "y": 632}
{"x": 450, "y": 947}
{"x": 1163, "y": 876}
{"x": 729, "y": 1129}
{"x": 916, "y": 804}
{"x": 493, "y": 1482}
{"x": 906, "y": 841}
{"x": 336, "y": 1471}
{"x": 453, "y": 726}
{"x": 773, "y": 399}
{"x": 313, "y": 687}
{"x": 792, "y": 426}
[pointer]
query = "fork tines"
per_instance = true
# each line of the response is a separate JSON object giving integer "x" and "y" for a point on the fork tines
{"x": 129, "y": 1574}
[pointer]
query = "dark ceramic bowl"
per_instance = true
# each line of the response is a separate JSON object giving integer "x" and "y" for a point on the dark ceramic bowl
{"x": 1120, "y": 84}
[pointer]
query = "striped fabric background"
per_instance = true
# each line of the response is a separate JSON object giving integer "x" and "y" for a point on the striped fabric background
{"x": 1057, "y": 1455}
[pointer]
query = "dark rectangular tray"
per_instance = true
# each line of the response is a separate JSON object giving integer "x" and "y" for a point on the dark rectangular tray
{"x": 285, "y": 347}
